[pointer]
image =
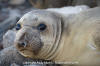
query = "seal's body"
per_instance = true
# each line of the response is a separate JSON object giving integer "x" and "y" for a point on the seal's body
{"x": 51, "y": 36}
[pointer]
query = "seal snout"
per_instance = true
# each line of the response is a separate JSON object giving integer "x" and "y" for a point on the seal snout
{"x": 21, "y": 44}
{"x": 28, "y": 40}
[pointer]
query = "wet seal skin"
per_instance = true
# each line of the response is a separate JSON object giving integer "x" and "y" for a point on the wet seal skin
{"x": 47, "y": 35}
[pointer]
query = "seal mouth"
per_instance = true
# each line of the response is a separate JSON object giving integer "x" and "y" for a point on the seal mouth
{"x": 22, "y": 49}
{"x": 26, "y": 53}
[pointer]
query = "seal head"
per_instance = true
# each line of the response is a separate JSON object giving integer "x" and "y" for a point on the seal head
{"x": 38, "y": 34}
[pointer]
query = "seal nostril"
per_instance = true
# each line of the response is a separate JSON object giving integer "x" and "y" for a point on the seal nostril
{"x": 22, "y": 44}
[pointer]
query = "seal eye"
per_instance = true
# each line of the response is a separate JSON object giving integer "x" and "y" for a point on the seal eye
{"x": 18, "y": 26}
{"x": 42, "y": 27}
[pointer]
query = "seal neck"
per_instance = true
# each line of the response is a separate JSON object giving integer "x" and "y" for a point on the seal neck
{"x": 56, "y": 45}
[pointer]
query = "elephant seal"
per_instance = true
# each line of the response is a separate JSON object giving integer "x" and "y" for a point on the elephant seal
{"x": 43, "y": 34}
